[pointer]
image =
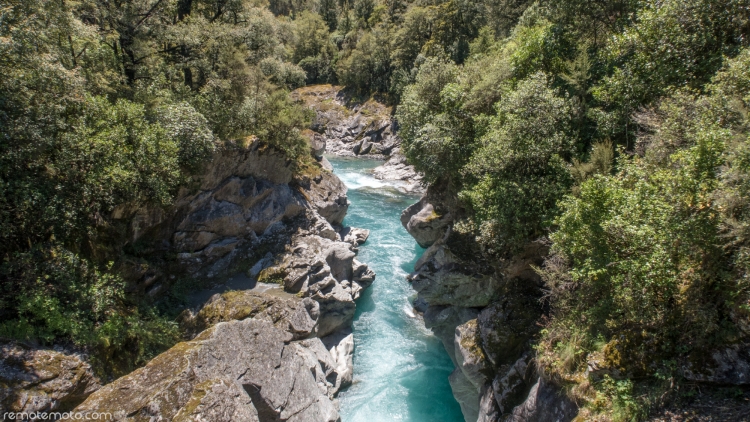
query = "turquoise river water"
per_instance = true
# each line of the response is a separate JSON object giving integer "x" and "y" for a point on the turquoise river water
{"x": 400, "y": 369}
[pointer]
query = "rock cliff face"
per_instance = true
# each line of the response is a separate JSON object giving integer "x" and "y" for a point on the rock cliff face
{"x": 280, "y": 355}
{"x": 486, "y": 314}
{"x": 37, "y": 380}
{"x": 259, "y": 360}
{"x": 347, "y": 126}
{"x": 247, "y": 203}
{"x": 276, "y": 353}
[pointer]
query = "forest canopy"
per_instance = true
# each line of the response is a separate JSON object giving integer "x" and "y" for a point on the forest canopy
{"x": 617, "y": 130}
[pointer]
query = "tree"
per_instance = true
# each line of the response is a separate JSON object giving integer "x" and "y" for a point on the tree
{"x": 328, "y": 10}
{"x": 521, "y": 157}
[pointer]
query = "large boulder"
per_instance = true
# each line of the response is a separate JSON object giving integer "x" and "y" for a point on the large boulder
{"x": 545, "y": 402}
{"x": 337, "y": 306}
{"x": 424, "y": 224}
{"x": 239, "y": 370}
{"x": 442, "y": 278}
{"x": 443, "y": 320}
{"x": 730, "y": 366}
{"x": 340, "y": 257}
{"x": 326, "y": 193}
{"x": 354, "y": 236}
{"x": 506, "y": 327}
{"x": 287, "y": 312}
{"x": 37, "y": 380}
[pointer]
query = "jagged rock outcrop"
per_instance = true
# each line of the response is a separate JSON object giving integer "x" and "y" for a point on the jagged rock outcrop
{"x": 470, "y": 357}
{"x": 545, "y": 402}
{"x": 346, "y": 125}
{"x": 258, "y": 359}
{"x": 512, "y": 383}
{"x": 443, "y": 278}
{"x": 285, "y": 311}
{"x": 396, "y": 168}
{"x": 354, "y": 236}
{"x": 249, "y": 356}
{"x": 506, "y": 327}
{"x": 443, "y": 321}
{"x": 323, "y": 269}
{"x": 247, "y": 370}
{"x": 341, "y": 347}
{"x": 37, "y": 380}
{"x": 424, "y": 224}
{"x": 485, "y": 312}
{"x": 326, "y": 193}
{"x": 247, "y": 201}
{"x": 469, "y": 377}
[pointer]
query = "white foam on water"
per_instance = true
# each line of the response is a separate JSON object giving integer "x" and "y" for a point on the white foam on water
{"x": 359, "y": 181}
{"x": 400, "y": 368}
{"x": 409, "y": 311}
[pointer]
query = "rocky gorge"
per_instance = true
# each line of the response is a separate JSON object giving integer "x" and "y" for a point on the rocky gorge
{"x": 485, "y": 314}
{"x": 288, "y": 293}
{"x": 276, "y": 346}
{"x": 488, "y": 315}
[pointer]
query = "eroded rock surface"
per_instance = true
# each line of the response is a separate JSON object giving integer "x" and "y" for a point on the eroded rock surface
{"x": 285, "y": 311}
{"x": 443, "y": 278}
{"x": 251, "y": 355}
{"x": 545, "y": 402}
{"x": 324, "y": 269}
{"x": 396, "y": 168}
{"x": 37, "y": 380}
{"x": 341, "y": 347}
{"x": 486, "y": 314}
{"x": 247, "y": 202}
{"x": 246, "y": 370}
{"x": 424, "y": 224}
{"x": 470, "y": 357}
{"x": 347, "y": 126}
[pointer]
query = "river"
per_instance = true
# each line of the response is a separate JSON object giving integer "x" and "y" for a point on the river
{"x": 400, "y": 369}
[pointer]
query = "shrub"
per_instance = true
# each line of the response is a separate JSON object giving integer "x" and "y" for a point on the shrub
{"x": 518, "y": 166}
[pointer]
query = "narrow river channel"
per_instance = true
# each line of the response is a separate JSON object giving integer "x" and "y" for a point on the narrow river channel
{"x": 400, "y": 369}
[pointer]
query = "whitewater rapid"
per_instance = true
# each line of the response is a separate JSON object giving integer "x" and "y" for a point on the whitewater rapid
{"x": 400, "y": 369}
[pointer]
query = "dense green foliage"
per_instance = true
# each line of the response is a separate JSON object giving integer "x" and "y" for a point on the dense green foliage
{"x": 651, "y": 262}
{"x": 618, "y": 129}
{"x": 107, "y": 103}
